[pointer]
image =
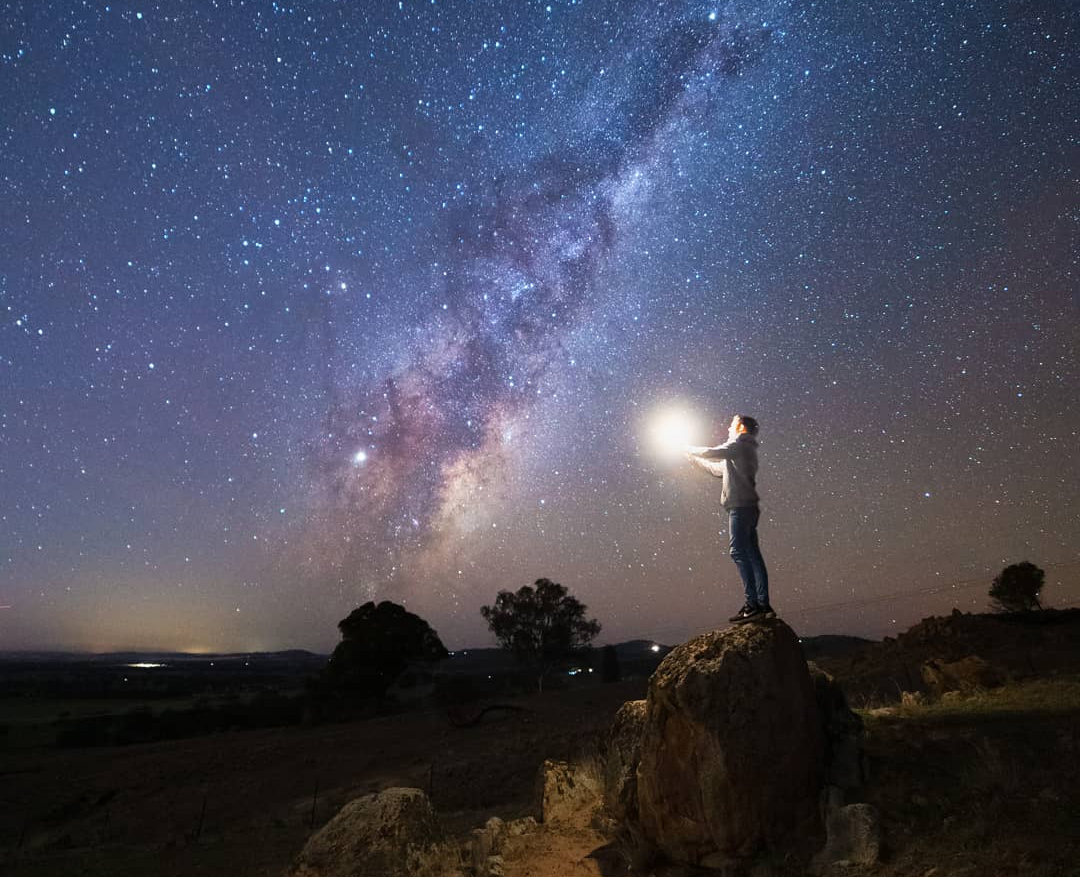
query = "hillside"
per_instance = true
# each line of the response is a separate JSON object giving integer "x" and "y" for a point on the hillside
{"x": 1022, "y": 646}
{"x": 985, "y": 784}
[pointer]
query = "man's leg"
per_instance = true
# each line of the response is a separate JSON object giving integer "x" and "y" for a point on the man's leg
{"x": 757, "y": 564}
{"x": 741, "y": 527}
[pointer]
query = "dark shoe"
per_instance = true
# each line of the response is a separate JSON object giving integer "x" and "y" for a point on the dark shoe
{"x": 747, "y": 613}
{"x": 768, "y": 612}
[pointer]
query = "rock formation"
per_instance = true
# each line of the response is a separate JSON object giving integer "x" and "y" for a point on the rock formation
{"x": 621, "y": 762}
{"x": 567, "y": 795}
{"x": 392, "y": 834}
{"x": 967, "y": 674}
{"x": 732, "y": 749}
{"x": 853, "y": 835}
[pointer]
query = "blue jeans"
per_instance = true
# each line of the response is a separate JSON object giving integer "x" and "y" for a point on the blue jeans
{"x": 747, "y": 555}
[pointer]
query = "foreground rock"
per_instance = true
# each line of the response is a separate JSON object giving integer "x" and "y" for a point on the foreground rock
{"x": 853, "y": 835}
{"x": 732, "y": 751}
{"x": 621, "y": 762}
{"x": 568, "y": 795}
{"x": 391, "y": 834}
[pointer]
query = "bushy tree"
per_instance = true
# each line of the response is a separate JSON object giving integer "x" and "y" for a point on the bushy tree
{"x": 1016, "y": 588}
{"x": 378, "y": 643}
{"x": 541, "y": 624}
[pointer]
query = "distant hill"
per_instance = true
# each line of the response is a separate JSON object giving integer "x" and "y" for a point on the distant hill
{"x": 831, "y": 645}
{"x": 479, "y": 660}
{"x": 641, "y": 648}
{"x": 288, "y": 655}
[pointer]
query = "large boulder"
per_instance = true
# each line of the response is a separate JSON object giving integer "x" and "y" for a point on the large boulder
{"x": 623, "y": 755}
{"x": 392, "y": 834}
{"x": 732, "y": 753}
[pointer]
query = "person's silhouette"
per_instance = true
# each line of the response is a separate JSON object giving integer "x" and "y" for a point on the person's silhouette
{"x": 735, "y": 462}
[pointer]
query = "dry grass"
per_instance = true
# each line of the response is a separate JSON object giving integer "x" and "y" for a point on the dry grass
{"x": 1047, "y": 697}
{"x": 985, "y": 784}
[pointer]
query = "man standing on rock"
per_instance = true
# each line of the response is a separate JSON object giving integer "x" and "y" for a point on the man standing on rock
{"x": 735, "y": 462}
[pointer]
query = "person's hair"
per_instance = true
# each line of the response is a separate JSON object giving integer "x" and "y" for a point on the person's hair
{"x": 749, "y": 422}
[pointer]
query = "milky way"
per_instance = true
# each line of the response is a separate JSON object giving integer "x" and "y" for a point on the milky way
{"x": 420, "y": 446}
{"x": 303, "y": 305}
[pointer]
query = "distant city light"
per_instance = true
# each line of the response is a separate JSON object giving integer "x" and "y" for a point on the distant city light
{"x": 655, "y": 647}
{"x": 145, "y": 666}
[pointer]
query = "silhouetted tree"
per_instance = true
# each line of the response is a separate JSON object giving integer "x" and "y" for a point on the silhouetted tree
{"x": 378, "y": 643}
{"x": 542, "y": 625}
{"x": 1016, "y": 588}
{"x": 609, "y": 664}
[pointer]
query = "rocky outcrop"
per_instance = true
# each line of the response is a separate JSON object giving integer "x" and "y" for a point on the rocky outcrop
{"x": 732, "y": 750}
{"x": 487, "y": 848}
{"x": 568, "y": 794}
{"x": 393, "y": 834}
{"x": 967, "y": 674}
{"x": 853, "y": 835}
{"x": 1023, "y": 645}
{"x": 621, "y": 762}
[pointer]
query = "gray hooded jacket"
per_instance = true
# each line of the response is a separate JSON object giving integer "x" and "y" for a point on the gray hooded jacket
{"x": 736, "y": 463}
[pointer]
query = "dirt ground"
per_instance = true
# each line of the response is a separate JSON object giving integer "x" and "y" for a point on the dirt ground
{"x": 577, "y": 853}
{"x": 243, "y": 803}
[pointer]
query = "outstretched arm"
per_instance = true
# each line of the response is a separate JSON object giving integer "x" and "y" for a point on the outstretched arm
{"x": 720, "y": 452}
{"x": 707, "y": 459}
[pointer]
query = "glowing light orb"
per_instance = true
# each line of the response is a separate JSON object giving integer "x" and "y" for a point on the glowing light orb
{"x": 671, "y": 432}
{"x": 360, "y": 458}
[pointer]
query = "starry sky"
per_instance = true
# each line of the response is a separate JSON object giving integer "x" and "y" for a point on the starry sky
{"x": 304, "y": 304}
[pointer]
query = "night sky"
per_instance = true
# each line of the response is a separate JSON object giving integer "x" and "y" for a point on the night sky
{"x": 304, "y": 304}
